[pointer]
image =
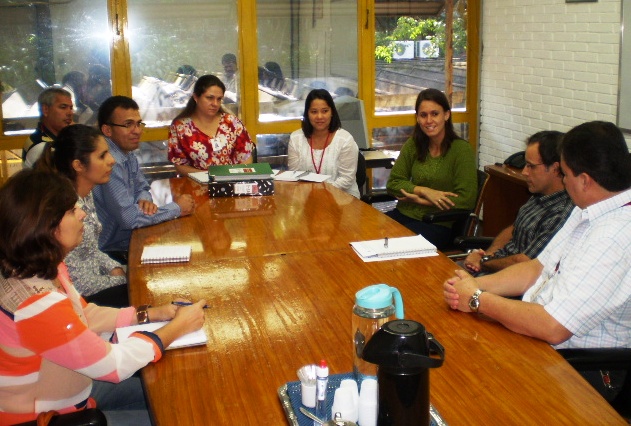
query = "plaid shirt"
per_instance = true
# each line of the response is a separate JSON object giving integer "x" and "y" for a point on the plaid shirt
{"x": 536, "y": 223}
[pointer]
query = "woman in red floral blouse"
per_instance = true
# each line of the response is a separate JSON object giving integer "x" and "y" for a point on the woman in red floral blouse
{"x": 203, "y": 134}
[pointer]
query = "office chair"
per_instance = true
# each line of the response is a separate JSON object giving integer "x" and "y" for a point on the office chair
{"x": 465, "y": 221}
{"x": 605, "y": 359}
{"x": 360, "y": 175}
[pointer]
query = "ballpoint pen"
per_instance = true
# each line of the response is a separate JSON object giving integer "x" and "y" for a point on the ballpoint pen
{"x": 176, "y": 303}
{"x": 385, "y": 243}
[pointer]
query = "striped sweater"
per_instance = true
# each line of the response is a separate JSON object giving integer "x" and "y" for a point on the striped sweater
{"x": 51, "y": 349}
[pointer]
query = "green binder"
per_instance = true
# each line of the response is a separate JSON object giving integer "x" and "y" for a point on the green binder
{"x": 239, "y": 172}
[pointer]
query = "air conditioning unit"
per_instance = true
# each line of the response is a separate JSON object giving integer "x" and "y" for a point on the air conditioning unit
{"x": 425, "y": 49}
{"x": 403, "y": 50}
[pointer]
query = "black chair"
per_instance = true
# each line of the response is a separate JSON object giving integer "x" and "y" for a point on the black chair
{"x": 465, "y": 221}
{"x": 605, "y": 359}
{"x": 360, "y": 175}
{"x": 87, "y": 417}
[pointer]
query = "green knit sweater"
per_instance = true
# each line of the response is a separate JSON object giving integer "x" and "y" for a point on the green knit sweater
{"x": 455, "y": 172}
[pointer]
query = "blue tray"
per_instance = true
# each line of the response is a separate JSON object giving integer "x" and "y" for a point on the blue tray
{"x": 290, "y": 398}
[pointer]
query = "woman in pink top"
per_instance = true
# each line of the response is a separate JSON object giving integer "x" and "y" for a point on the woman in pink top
{"x": 203, "y": 134}
{"x": 52, "y": 354}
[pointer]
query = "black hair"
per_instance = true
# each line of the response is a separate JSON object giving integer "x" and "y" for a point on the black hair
{"x": 110, "y": 104}
{"x": 598, "y": 149}
{"x": 336, "y": 123}
{"x": 74, "y": 142}
{"x": 201, "y": 85}
{"x": 548, "y": 141}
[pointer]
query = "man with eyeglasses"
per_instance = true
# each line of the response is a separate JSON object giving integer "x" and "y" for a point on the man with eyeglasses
{"x": 539, "y": 219}
{"x": 125, "y": 203}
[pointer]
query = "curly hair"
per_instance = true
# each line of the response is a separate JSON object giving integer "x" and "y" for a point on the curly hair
{"x": 32, "y": 205}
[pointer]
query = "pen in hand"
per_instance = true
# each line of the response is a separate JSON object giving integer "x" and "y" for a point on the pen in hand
{"x": 176, "y": 303}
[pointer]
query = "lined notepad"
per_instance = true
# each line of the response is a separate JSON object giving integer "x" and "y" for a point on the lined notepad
{"x": 396, "y": 248}
{"x": 165, "y": 254}
{"x": 195, "y": 338}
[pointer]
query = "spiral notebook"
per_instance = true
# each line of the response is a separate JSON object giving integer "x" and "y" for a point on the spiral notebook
{"x": 165, "y": 254}
{"x": 394, "y": 248}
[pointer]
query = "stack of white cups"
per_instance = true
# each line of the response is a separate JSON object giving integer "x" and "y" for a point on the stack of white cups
{"x": 346, "y": 401}
{"x": 368, "y": 398}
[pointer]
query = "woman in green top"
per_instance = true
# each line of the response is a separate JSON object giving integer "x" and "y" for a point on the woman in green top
{"x": 436, "y": 170}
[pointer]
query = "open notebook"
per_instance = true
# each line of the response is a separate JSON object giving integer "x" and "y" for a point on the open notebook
{"x": 195, "y": 338}
{"x": 394, "y": 248}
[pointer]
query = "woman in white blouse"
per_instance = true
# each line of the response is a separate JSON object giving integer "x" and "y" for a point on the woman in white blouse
{"x": 322, "y": 146}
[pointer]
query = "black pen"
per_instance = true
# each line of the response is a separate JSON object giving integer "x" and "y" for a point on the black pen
{"x": 187, "y": 304}
{"x": 385, "y": 243}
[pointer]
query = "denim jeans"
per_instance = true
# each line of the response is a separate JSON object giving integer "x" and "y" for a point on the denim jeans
{"x": 122, "y": 403}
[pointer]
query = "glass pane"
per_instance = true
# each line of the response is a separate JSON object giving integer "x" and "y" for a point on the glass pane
{"x": 45, "y": 44}
{"x": 304, "y": 44}
{"x": 173, "y": 43}
{"x": 272, "y": 148}
{"x": 411, "y": 52}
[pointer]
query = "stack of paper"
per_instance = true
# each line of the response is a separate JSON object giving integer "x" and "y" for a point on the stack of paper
{"x": 394, "y": 248}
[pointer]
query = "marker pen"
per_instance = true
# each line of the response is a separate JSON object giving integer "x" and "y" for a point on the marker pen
{"x": 322, "y": 380}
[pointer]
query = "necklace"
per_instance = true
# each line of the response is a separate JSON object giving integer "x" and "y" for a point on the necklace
{"x": 326, "y": 143}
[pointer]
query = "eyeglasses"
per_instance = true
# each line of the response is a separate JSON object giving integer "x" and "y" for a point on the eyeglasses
{"x": 532, "y": 166}
{"x": 130, "y": 125}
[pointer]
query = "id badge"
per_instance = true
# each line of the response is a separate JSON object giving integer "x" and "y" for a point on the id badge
{"x": 218, "y": 144}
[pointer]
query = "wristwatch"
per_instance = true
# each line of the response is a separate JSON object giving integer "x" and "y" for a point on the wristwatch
{"x": 486, "y": 258}
{"x": 142, "y": 314}
{"x": 474, "y": 302}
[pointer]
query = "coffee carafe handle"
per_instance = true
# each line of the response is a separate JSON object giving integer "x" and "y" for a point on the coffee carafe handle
{"x": 413, "y": 360}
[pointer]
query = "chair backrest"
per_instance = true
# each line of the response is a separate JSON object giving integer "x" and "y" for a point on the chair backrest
{"x": 360, "y": 175}
{"x": 473, "y": 225}
{"x": 469, "y": 226}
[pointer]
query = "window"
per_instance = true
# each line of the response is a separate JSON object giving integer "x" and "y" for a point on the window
{"x": 170, "y": 46}
{"x": 59, "y": 43}
{"x": 304, "y": 45}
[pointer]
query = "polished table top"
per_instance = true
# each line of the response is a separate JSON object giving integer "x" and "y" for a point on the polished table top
{"x": 281, "y": 287}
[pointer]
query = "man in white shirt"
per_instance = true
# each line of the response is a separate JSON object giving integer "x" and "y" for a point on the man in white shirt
{"x": 577, "y": 291}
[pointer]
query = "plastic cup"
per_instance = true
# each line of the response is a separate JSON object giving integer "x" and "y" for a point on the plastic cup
{"x": 368, "y": 396}
{"x": 344, "y": 404}
{"x": 352, "y": 385}
{"x": 308, "y": 394}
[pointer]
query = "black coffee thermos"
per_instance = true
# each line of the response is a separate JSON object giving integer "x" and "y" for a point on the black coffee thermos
{"x": 401, "y": 349}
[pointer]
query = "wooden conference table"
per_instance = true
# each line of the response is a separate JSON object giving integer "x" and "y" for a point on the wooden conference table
{"x": 280, "y": 277}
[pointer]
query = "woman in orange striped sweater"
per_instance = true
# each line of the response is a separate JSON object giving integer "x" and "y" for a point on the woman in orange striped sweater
{"x": 51, "y": 354}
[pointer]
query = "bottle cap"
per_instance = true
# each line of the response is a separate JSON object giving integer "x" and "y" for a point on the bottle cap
{"x": 322, "y": 369}
{"x": 380, "y": 296}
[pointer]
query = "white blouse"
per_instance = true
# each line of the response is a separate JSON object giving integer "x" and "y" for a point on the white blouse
{"x": 340, "y": 159}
